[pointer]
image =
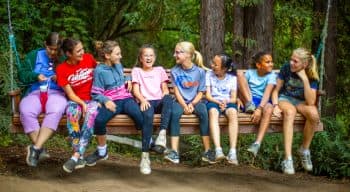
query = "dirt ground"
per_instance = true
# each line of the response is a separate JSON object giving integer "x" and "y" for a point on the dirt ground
{"x": 122, "y": 174}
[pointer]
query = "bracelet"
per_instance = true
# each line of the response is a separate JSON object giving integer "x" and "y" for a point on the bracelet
{"x": 274, "y": 105}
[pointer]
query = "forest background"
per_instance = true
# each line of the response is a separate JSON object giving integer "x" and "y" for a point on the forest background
{"x": 238, "y": 27}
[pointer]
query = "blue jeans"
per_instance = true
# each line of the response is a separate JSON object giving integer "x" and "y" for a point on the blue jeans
{"x": 200, "y": 110}
{"x": 126, "y": 106}
{"x": 163, "y": 107}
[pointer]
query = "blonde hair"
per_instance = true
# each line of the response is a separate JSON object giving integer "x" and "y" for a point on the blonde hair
{"x": 197, "y": 57}
{"x": 305, "y": 56}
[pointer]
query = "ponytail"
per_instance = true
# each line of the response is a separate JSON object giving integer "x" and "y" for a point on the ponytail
{"x": 198, "y": 59}
{"x": 305, "y": 56}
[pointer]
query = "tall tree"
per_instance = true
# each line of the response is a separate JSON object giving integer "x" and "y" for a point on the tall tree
{"x": 256, "y": 18}
{"x": 212, "y": 28}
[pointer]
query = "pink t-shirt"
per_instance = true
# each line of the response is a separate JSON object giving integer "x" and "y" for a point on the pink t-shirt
{"x": 150, "y": 81}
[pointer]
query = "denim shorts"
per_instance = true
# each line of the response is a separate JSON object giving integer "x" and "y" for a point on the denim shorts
{"x": 290, "y": 99}
{"x": 214, "y": 105}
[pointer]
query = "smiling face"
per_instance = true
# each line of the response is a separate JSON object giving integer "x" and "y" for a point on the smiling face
{"x": 181, "y": 57}
{"x": 216, "y": 66}
{"x": 296, "y": 64}
{"x": 147, "y": 58}
{"x": 115, "y": 56}
{"x": 265, "y": 65}
{"x": 77, "y": 54}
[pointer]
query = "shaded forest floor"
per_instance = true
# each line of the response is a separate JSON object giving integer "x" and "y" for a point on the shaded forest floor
{"x": 121, "y": 173}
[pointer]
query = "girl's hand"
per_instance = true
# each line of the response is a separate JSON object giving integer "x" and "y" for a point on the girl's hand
{"x": 144, "y": 105}
{"x": 129, "y": 86}
{"x": 277, "y": 111}
{"x": 42, "y": 77}
{"x": 239, "y": 104}
{"x": 84, "y": 108}
{"x": 302, "y": 74}
{"x": 188, "y": 109}
{"x": 110, "y": 105}
{"x": 222, "y": 106}
{"x": 256, "y": 116}
{"x": 54, "y": 78}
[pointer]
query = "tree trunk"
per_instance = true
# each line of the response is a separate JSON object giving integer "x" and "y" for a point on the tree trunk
{"x": 330, "y": 61}
{"x": 237, "y": 45}
{"x": 212, "y": 29}
{"x": 257, "y": 31}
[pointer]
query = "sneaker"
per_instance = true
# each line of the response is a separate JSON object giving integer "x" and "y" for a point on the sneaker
{"x": 32, "y": 156}
{"x": 93, "y": 158}
{"x": 209, "y": 157}
{"x": 254, "y": 148}
{"x": 173, "y": 157}
{"x": 219, "y": 155}
{"x": 250, "y": 107}
{"x": 70, "y": 165}
{"x": 161, "y": 140}
{"x": 287, "y": 167}
{"x": 43, "y": 154}
{"x": 145, "y": 165}
{"x": 232, "y": 158}
{"x": 306, "y": 160}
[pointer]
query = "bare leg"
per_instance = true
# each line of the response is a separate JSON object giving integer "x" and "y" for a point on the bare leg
{"x": 244, "y": 90}
{"x": 264, "y": 122}
{"x": 214, "y": 126}
{"x": 44, "y": 135}
{"x": 289, "y": 112}
{"x": 206, "y": 142}
{"x": 174, "y": 141}
{"x": 33, "y": 136}
{"x": 101, "y": 140}
{"x": 312, "y": 120}
{"x": 232, "y": 118}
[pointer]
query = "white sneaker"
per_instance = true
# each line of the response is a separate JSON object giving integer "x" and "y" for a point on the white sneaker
{"x": 145, "y": 165}
{"x": 232, "y": 158}
{"x": 219, "y": 155}
{"x": 287, "y": 167}
{"x": 305, "y": 160}
{"x": 161, "y": 139}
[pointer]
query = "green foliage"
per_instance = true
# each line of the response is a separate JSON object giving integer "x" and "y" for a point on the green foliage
{"x": 248, "y": 3}
{"x": 292, "y": 28}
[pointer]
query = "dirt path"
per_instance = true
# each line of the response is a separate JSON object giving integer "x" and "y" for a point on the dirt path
{"x": 122, "y": 174}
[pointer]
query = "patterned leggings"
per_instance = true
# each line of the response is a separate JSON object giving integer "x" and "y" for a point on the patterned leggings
{"x": 80, "y": 137}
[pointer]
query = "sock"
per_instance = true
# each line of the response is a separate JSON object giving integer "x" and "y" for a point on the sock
{"x": 289, "y": 158}
{"x": 75, "y": 159}
{"x": 232, "y": 150}
{"x": 218, "y": 149}
{"x": 102, "y": 150}
{"x": 256, "y": 142}
{"x": 36, "y": 148}
{"x": 162, "y": 132}
{"x": 306, "y": 151}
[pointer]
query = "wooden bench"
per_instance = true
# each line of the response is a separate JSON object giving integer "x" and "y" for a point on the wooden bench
{"x": 123, "y": 125}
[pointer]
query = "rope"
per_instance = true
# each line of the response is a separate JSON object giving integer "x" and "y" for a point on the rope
{"x": 324, "y": 37}
{"x": 13, "y": 49}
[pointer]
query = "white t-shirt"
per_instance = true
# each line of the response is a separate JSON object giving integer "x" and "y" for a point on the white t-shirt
{"x": 220, "y": 89}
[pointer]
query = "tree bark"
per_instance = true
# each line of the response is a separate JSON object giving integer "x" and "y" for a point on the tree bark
{"x": 257, "y": 31}
{"x": 330, "y": 61}
{"x": 212, "y": 29}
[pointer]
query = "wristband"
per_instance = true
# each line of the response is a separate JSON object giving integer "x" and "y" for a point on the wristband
{"x": 274, "y": 105}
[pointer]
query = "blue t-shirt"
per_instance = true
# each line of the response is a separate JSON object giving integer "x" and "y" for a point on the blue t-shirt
{"x": 44, "y": 65}
{"x": 293, "y": 86}
{"x": 221, "y": 89}
{"x": 188, "y": 81}
{"x": 257, "y": 84}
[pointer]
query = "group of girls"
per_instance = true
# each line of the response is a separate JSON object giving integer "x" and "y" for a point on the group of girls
{"x": 81, "y": 88}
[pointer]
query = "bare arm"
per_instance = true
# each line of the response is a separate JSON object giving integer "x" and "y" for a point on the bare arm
{"x": 309, "y": 93}
{"x": 144, "y": 104}
{"x": 73, "y": 97}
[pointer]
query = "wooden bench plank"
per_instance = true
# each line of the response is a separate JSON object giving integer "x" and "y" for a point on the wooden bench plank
{"x": 123, "y": 125}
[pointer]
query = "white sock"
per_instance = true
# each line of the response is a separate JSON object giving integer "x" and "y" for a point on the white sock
{"x": 256, "y": 142}
{"x": 306, "y": 151}
{"x": 102, "y": 150}
{"x": 232, "y": 150}
{"x": 289, "y": 158}
{"x": 75, "y": 159}
{"x": 162, "y": 132}
{"x": 218, "y": 149}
